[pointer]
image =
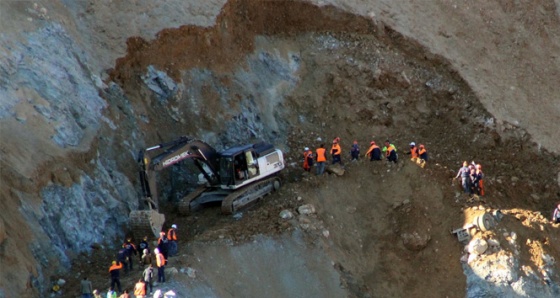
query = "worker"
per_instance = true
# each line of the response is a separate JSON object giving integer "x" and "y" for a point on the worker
{"x": 413, "y": 152}
{"x": 160, "y": 262}
{"x": 374, "y": 152}
{"x": 147, "y": 257}
{"x": 355, "y": 151}
{"x": 115, "y": 272}
{"x": 122, "y": 258}
{"x": 163, "y": 244}
{"x": 422, "y": 156}
{"x": 96, "y": 294}
{"x": 321, "y": 158}
{"x": 336, "y": 151}
{"x": 390, "y": 152}
{"x": 172, "y": 237}
{"x": 87, "y": 289}
{"x": 125, "y": 294}
{"x": 556, "y": 214}
{"x": 478, "y": 180}
{"x": 464, "y": 173}
{"x": 130, "y": 250}
{"x": 144, "y": 244}
{"x": 111, "y": 293}
{"x": 140, "y": 289}
{"x": 306, "y": 165}
{"x": 148, "y": 276}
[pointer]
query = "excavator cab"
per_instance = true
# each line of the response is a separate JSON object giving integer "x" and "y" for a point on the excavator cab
{"x": 237, "y": 165}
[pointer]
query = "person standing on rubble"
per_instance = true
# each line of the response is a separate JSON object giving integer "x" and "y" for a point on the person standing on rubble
{"x": 464, "y": 173}
{"x": 115, "y": 272}
{"x": 321, "y": 157}
{"x": 422, "y": 156}
{"x": 172, "y": 237}
{"x": 390, "y": 152}
{"x": 478, "y": 182}
{"x": 148, "y": 276}
{"x": 355, "y": 151}
{"x": 160, "y": 262}
{"x": 163, "y": 244}
{"x": 87, "y": 289}
{"x": 144, "y": 244}
{"x": 374, "y": 152}
{"x": 130, "y": 250}
{"x": 413, "y": 152}
{"x": 556, "y": 214}
{"x": 140, "y": 289}
{"x": 306, "y": 159}
{"x": 336, "y": 151}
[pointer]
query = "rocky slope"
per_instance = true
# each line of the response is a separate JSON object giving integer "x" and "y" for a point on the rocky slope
{"x": 84, "y": 86}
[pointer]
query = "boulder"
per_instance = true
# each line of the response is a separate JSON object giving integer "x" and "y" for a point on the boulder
{"x": 415, "y": 241}
{"x": 286, "y": 214}
{"x": 306, "y": 209}
{"x": 478, "y": 246}
{"x": 336, "y": 169}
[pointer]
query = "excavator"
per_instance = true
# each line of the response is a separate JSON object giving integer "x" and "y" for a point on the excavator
{"x": 236, "y": 177}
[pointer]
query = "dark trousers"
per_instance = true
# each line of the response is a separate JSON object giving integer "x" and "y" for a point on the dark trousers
{"x": 161, "y": 274}
{"x": 151, "y": 284}
{"x": 336, "y": 159}
{"x": 116, "y": 281}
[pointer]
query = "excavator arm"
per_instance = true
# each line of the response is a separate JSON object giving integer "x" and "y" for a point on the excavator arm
{"x": 172, "y": 153}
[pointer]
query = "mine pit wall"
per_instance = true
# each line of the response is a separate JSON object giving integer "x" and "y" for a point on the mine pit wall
{"x": 102, "y": 125}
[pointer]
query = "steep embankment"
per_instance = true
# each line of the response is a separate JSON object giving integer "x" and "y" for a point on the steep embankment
{"x": 288, "y": 73}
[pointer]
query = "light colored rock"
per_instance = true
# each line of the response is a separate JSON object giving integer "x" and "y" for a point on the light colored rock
{"x": 415, "y": 241}
{"x": 191, "y": 272}
{"x": 493, "y": 242}
{"x": 306, "y": 209}
{"x": 286, "y": 214}
{"x": 336, "y": 169}
{"x": 326, "y": 233}
{"x": 478, "y": 246}
{"x": 61, "y": 282}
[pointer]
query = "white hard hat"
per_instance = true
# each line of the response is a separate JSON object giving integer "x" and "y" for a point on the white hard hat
{"x": 156, "y": 250}
{"x": 412, "y": 144}
{"x": 174, "y": 226}
{"x": 306, "y": 148}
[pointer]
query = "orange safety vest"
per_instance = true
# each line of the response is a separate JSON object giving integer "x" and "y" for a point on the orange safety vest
{"x": 371, "y": 149}
{"x": 414, "y": 152}
{"x": 115, "y": 267}
{"x": 160, "y": 260}
{"x": 335, "y": 149}
{"x": 305, "y": 163}
{"x": 172, "y": 234}
{"x": 139, "y": 289}
{"x": 321, "y": 155}
{"x": 389, "y": 149}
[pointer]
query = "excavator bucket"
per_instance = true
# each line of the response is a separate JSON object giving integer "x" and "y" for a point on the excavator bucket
{"x": 146, "y": 223}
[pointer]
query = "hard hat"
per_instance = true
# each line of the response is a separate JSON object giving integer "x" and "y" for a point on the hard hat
{"x": 156, "y": 250}
{"x": 421, "y": 145}
{"x": 412, "y": 144}
{"x": 306, "y": 148}
{"x": 114, "y": 263}
{"x": 145, "y": 251}
{"x": 162, "y": 233}
{"x": 95, "y": 291}
{"x": 174, "y": 226}
{"x": 372, "y": 143}
{"x": 334, "y": 141}
{"x": 145, "y": 237}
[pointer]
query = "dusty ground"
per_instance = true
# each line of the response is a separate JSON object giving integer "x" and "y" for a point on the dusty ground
{"x": 408, "y": 76}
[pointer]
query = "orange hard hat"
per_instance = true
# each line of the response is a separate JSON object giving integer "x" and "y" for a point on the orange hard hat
{"x": 372, "y": 143}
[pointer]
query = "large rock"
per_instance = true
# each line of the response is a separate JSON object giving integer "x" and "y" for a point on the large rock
{"x": 336, "y": 169}
{"x": 306, "y": 209}
{"x": 416, "y": 240}
{"x": 477, "y": 246}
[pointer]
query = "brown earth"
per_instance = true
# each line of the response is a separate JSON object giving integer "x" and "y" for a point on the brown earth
{"x": 413, "y": 95}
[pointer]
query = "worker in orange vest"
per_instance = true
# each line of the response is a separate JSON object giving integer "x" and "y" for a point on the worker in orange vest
{"x": 115, "y": 271}
{"x": 390, "y": 152}
{"x": 422, "y": 156}
{"x": 172, "y": 237}
{"x": 321, "y": 158}
{"x": 413, "y": 152}
{"x": 160, "y": 262}
{"x": 336, "y": 151}
{"x": 140, "y": 289}
{"x": 307, "y": 159}
{"x": 374, "y": 152}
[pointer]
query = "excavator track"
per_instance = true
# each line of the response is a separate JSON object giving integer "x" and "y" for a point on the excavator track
{"x": 146, "y": 223}
{"x": 184, "y": 206}
{"x": 242, "y": 197}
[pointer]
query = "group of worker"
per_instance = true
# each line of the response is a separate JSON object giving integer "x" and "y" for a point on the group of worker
{"x": 418, "y": 154}
{"x": 472, "y": 178}
{"x": 166, "y": 247}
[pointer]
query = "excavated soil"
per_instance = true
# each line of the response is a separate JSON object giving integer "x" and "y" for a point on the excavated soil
{"x": 358, "y": 81}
